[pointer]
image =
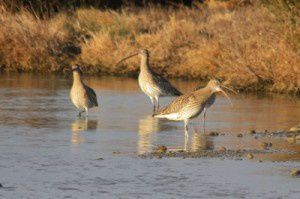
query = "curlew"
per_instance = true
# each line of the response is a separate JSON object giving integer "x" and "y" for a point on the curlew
{"x": 190, "y": 105}
{"x": 151, "y": 83}
{"x": 82, "y": 96}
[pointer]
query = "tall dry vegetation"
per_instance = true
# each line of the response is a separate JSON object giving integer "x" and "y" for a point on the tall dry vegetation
{"x": 251, "y": 47}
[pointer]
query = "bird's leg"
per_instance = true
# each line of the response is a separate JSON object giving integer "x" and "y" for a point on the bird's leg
{"x": 204, "y": 115}
{"x": 154, "y": 104}
{"x": 79, "y": 114}
{"x": 86, "y": 111}
{"x": 185, "y": 143}
{"x": 157, "y": 103}
{"x": 186, "y": 128}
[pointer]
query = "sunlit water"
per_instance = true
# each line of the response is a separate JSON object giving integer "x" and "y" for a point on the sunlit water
{"x": 47, "y": 152}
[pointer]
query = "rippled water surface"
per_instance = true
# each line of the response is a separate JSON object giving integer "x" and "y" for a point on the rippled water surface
{"x": 47, "y": 152}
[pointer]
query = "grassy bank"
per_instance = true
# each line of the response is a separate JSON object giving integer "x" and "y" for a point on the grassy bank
{"x": 252, "y": 46}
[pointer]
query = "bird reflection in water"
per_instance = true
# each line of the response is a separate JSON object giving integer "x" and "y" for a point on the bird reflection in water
{"x": 79, "y": 126}
{"x": 201, "y": 141}
{"x": 148, "y": 127}
{"x": 198, "y": 141}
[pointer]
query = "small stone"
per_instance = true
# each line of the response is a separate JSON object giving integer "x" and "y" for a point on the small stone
{"x": 1, "y": 186}
{"x": 100, "y": 159}
{"x": 213, "y": 133}
{"x": 222, "y": 149}
{"x": 259, "y": 161}
{"x": 161, "y": 149}
{"x": 253, "y": 132}
{"x": 116, "y": 152}
{"x": 295, "y": 172}
{"x": 295, "y": 129}
{"x": 291, "y": 139}
{"x": 239, "y": 135}
{"x": 263, "y": 145}
{"x": 250, "y": 156}
{"x": 256, "y": 137}
{"x": 269, "y": 144}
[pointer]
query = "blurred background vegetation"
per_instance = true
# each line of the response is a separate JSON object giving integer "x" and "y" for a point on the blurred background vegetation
{"x": 253, "y": 45}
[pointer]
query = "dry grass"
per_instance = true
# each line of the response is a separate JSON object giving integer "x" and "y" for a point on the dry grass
{"x": 250, "y": 47}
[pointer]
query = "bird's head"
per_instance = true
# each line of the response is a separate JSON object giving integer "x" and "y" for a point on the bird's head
{"x": 142, "y": 53}
{"x": 216, "y": 86}
{"x": 76, "y": 69}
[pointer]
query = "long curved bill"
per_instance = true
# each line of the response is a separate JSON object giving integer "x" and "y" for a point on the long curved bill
{"x": 224, "y": 93}
{"x": 229, "y": 89}
{"x": 135, "y": 54}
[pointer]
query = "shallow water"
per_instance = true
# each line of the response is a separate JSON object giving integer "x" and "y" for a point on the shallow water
{"x": 47, "y": 152}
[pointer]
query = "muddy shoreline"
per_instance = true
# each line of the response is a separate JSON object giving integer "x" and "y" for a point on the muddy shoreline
{"x": 265, "y": 148}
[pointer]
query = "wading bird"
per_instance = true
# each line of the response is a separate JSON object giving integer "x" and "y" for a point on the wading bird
{"x": 152, "y": 84}
{"x": 82, "y": 96}
{"x": 189, "y": 106}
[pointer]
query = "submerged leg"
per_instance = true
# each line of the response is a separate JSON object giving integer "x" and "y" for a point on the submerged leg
{"x": 157, "y": 103}
{"x": 186, "y": 129}
{"x": 154, "y": 104}
{"x": 204, "y": 115}
{"x": 79, "y": 114}
{"x": 186, "y": 139}
{"x": 87, "y": 112}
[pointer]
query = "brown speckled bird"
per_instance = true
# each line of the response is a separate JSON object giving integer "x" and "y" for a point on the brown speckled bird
{"x": 82, "y": 96}
{"x": 151, "y": 83}
{"x": 190, "y": 105}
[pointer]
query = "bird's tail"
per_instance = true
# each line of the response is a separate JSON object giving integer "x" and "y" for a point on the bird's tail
{"x": 176, "y": 92}
{"x": 157, "y": 115}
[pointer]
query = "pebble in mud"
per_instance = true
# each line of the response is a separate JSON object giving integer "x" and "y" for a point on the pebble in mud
{"x": 295, "y": 172}
{"x": 265, "y": 145}
{"x": 291, "y": 139}
{"x": 253, "y": 132}
{"x": 213, "y": 133}
{"x": 116, "y": 152}
{"x": 239, "y": 135}
{"x": 250, "y": 156}
{"x": 160, "y": 149}
{"x": 222, "y": 149}
{"x": 295, "y": 129}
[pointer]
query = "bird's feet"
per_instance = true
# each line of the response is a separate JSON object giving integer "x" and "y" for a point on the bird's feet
{"x": 79, "y": 114}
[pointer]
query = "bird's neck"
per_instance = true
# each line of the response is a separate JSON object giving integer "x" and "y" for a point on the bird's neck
{"x": 77, "y": 78}
{"x": 205, "y": 92}
{"x": 145, "y": 64}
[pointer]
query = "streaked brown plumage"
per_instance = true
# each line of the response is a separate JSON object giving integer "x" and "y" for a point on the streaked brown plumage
{"x": 151, "y": 83}
{"x": 82, "y": 96}
{"x": 190, "y": 105}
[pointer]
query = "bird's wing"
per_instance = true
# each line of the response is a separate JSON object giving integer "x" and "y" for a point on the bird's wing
{"x": 91, "y": 95}
{"x": 177, "y": 104}
{"x": 165, "y": 85}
